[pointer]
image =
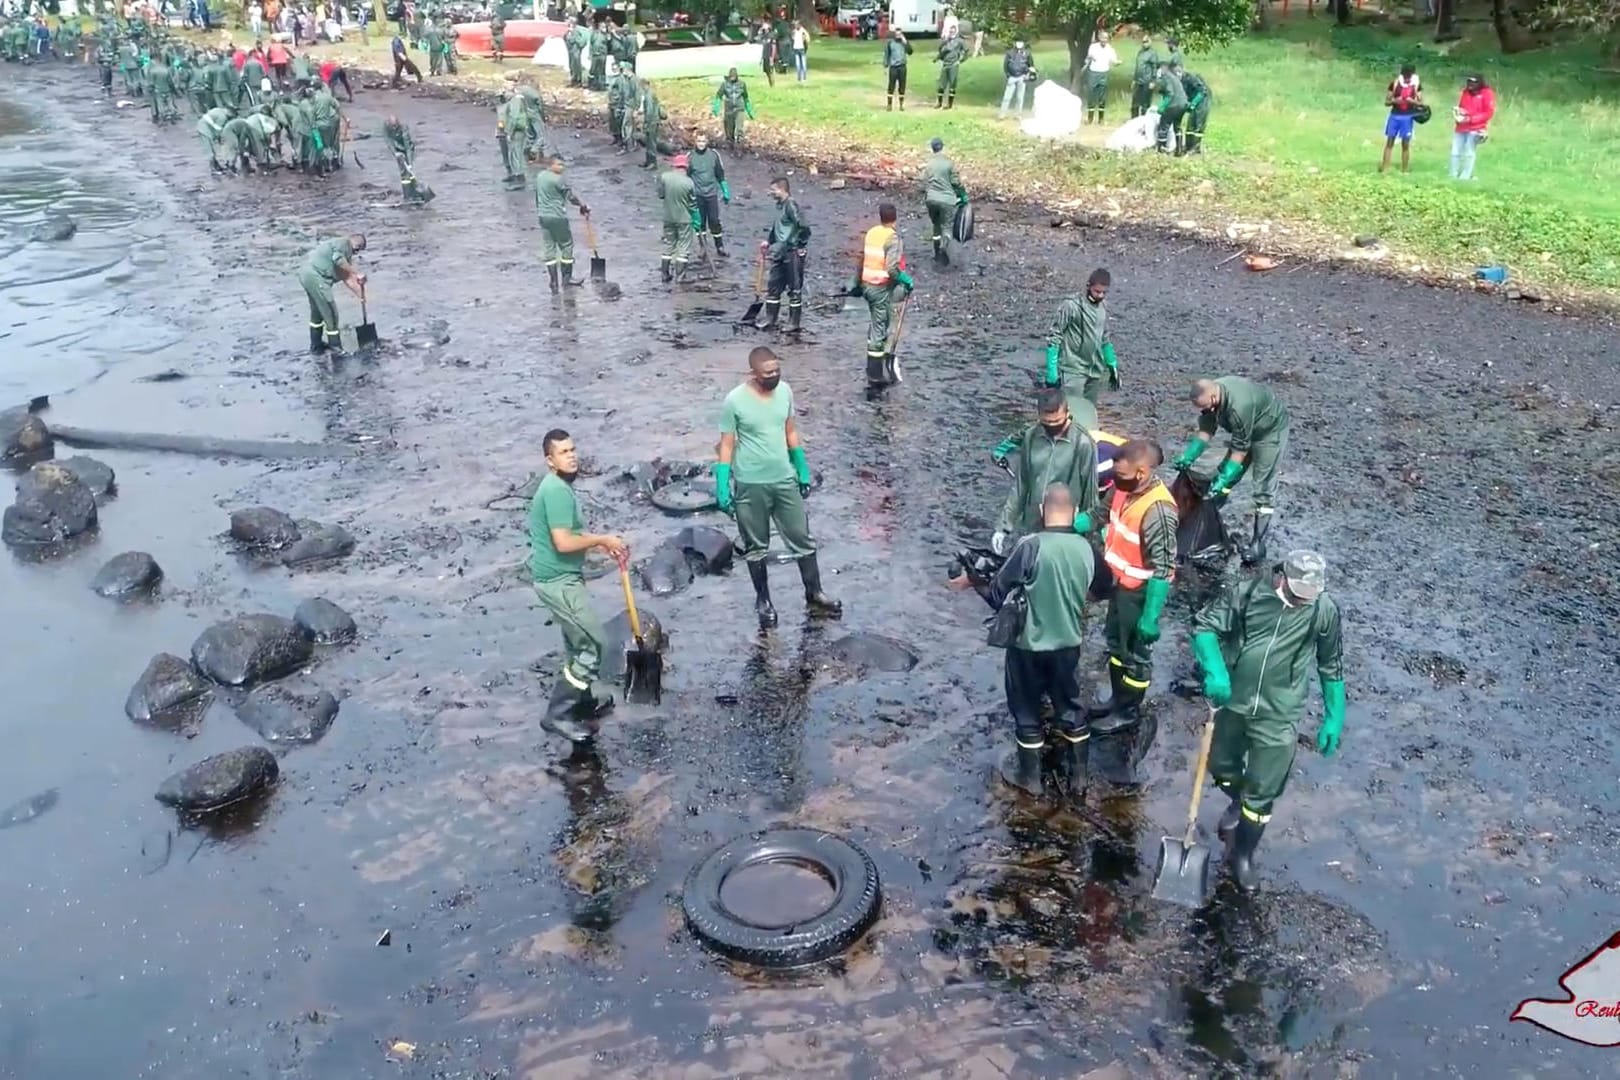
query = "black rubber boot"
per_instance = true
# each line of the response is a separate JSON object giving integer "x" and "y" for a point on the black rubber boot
{"x": 663, "y": 270}
{"x": 763, "y": 607}
{"x": 720, "y": 248}
{"x": 950, "y": 100}
{"x": 1105, "y": 707}
{"x": 565, "y": 271}
{"x": 317, "y": 341}
{"x": 1229, "y": 818}
{"x": 1127, "y": 707}
{"x": 560, "y": 718}
{"x": 1240, "y": 852}
{"x": 1255, "y": 552}
{"x": 939, "y": 101}
{"x": 773, "y": 311}
{"x": 551, "y": 276}
{"x": 1022, "y": 768}
{"x": 1116, "y": 757}
{"x": 795, "y": 313}
{"x": 592, "y": 707}
{"x": 1075, "y": 758}
{"x": 890, "y": 106}
{"x": 876, "y": 371}
{"x": 816, "y": 601}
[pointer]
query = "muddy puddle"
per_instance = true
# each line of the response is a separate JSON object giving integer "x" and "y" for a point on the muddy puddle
{"x": 1454, "y": 458}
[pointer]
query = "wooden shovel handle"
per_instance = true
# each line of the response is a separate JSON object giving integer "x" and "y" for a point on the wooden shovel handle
{"x": 365, "y": 318}
{"x": 590, "y": 234}
{"x": 630, "y": 601}
{"x": 1198, "y": 774}
{"x": 759, "y": 274}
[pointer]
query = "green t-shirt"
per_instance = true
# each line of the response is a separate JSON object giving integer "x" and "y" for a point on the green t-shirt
{"x": 328, "y": 256}
{"x": 554, "y": 506}
{"x": 760, "y": 425}
{"x": 550, "y": 195}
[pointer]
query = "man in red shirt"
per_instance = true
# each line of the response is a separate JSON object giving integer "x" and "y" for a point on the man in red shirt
{"x": 1473, "y": 114}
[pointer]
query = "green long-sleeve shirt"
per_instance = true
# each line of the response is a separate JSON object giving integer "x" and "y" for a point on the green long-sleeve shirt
{"x": 952, "y": 51}
{"x": 1250, "y": 412}
{"x": 1147, "y": 66}
{"x": 519, "y": 120}
{"x": 651, "y": 112}
{"x": 789, "y": 232}
{"x": 398, "y": 138}
{"x": 1069, "y": 459}
{"x": 1080, "y": 330}
{"x": 676, "y": 192}
{"x": 622, "y": 91}
{"x": 1174, "y": 95}
{"x": 733, "y": 95}
{"x": 552, "y": 195}
{"x": 707, "y": 171}
{"x": 599, "y": 44}
{"x": 1055, "y": 566}
{"x": 896, "y": 52}
{"x": 1269, "y": 647}
{"x": 940, "y": 182}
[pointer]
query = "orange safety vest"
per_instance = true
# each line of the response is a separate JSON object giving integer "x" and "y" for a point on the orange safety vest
{"x": 1124, "y": 551}
{"x": 874, "y": 269}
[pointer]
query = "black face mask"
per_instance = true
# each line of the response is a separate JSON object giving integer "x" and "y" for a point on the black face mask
{"x": 769, "y": 384}
{"x": 1054, "y": 431}
{"x": 567, "y": 477}
{"x": 1129, "y": 483}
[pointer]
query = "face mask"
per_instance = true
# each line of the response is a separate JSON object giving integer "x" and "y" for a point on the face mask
{"x": 1128, "y": 483}
{"x": 770, "y": 383}
{"x": 1095, "y": 299}
{"x": 567, "y": 477}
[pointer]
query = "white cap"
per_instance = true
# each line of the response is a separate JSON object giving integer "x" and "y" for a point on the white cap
{"x": 1306, "y": 573}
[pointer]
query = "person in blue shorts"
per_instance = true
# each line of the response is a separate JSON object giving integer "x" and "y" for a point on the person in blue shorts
{"x": 1404, "y": 96}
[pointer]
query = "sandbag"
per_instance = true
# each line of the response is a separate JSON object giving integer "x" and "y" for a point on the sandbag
{"x": 1201, "y": 535}
{"x": 962, "y": 224}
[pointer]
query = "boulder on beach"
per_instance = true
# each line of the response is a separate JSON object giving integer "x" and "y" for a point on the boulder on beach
{"x": 280, "y": 716}
{"x": 264, "y": 527}
{"x": 23, "y": 436}
{"x": 219, "y": 781}
{"x": 52, "y": 506}
{"x": 169, "y": 692}
{"x": 323, "y": 622}
{"x": 93, "y": 474}
{"x": 317, "y": 544}
{"x": 129, "y": 574}
{"x": 251, "y": 649}
{"x": 707, "y": 548}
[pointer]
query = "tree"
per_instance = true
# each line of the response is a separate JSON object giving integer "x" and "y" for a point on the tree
{"x": 1197, "y": 22}
{"x": 1509, "y": 33}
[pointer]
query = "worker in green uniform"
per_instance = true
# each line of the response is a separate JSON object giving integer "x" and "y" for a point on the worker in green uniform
{"x": 708, "y": 172}
{"x": 497, "y": 36}
{"x": 1139, "y": 551}
{"x": 879, "y": 274}
{"x": 327, "y": 121}
{"x": 398, "y": 139}
{"x": 433, "y": 42}
{"x": 328, "y": 263}
{"x": 521, "y": 133}
{"x": 599, "y": 56}
{"x": 896, "y": 53}
{"x": 1053, "y": 565}
{"x": 1254, "y": 644}
{"x": 576, "y": 40}
{"x": 1172, "y": 107}
{"x": 761, "y": 450}
{"x": 223, "y": 83}
{"x": 253, "y": 74}
{"x": 784, "y": 249}
{"x": 448, "y": 34}
{"x": 652, "y": 116}
{"x": 552, "y": 194}
{"x": 1079, "y": 352}
{"x": 942, "y": 194}
{"x": 198, "y": 87}
{"x": 419, "y": 25}
{"x": 236, "y": 149}
{"x": 534, "y": 105}
{"x": 1142, "y": 76}
{"x": 681, "y": 219}
{"x": 160, "y": 82}
{"x": 1173, "y": 57}
{"x": 260, "y": 134}
{"x": 732, "y": 96}
{"x": 952, "y": 51}
{"x": 557, "y": 546}
{"x": 1055, "y": 449}
{"x": 1258, "y": 424}
{"x": 129, "y": 67}
{"x": 290, "y": 128}
{"x": 106, "y": 58}
{"x": 1199, "y": 102}
{"x": 622, "y": 98}
{"x": 209, "y": 128}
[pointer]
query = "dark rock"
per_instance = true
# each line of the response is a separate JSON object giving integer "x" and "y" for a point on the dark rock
{"x": 250, "y": 649}
{"x": 709, "y": 548}
{"x": 219, "y": 781}
{"x": 324, "y": 622}
{"x": 616, "y": 632}
{"x": 127, "y": 574}
{"x": 281, "y": 716}
{"x": 262, "y": 527}
{"x": 54, "y": 229}
{"x": 95, "y": 475}
{"x": 52, "y": 506}
{"x": 666, "y": 572}
{"x": 23, "y": 811}
{"x": 23, "y": 436}
{"x": 875, "y": 651}
{"x": 319, "y": 542}
{"x": 169, "y": 692}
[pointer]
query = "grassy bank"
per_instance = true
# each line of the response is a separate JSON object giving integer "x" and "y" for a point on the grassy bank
{"x": 1294, "y": 139}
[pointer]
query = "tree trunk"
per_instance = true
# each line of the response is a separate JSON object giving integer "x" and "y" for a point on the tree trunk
{"x": 1513, "y": 37}
{"x": 805, "y": 12}
{"x": 1080, "y": 32}
{"x": 1341, "y": 11}
{"x": 1445, "y": 23}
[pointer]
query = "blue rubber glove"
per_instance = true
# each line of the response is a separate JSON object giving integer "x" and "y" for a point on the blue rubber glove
{"x": 722, "y": 486}
{"x": 1217, "y": 682}
{"x": 725, "y": 193}
{"x": 1224, "y": 479}
{"x": 801, "y": 468}
{"x": 1082, "y": 523}
{"x": 1327, "y": 739}
{"x": 1052, "y": 378}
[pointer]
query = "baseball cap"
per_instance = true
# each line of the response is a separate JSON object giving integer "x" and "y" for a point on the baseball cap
{"x": 1306, "y": 573}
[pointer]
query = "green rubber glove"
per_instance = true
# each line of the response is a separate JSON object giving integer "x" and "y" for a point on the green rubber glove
{"x": 1112, "y": 363}
{"x": 905, "y": 279}
{"x": 725, "y": 193}
{"x": 1006, "y": 448}
{"x": 714, "y": 107}
{"x": 319, "y": 145}
{"x": 1052, "y": 366}
{"x": 1082, "y": 523}
{"x": 1155, "y": 593}
{"x": 1189, "y": 457}
{"x": 1327, "y": 739}
{"x": 749, "y": 109}
{"x": 1217, "y": 682}
{"x": 801, "y": 468}
{"x": 1193, "y": 104}
{"x": 722, "y": 486}
{"x": 1164, "y": 103}
{"x": 697, "y": 221}
{"x": 1224, "y": 479}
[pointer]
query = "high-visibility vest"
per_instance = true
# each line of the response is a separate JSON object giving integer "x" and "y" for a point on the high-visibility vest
{"x": 1124, "y": 551}
{"x": 874, "y": 270}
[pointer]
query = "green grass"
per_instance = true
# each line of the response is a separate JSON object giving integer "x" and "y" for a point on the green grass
{"x": 1295, "y": 137}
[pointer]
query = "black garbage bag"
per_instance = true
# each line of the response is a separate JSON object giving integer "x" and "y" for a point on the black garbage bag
{"x": 1201, "y": 536}
{"x": 962, "y": 224}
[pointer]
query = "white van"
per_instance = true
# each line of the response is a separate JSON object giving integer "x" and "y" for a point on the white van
{"x": 917, "y": 18}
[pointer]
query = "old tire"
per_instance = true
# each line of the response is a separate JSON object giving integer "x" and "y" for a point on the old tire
{"x": 857, "y": 896}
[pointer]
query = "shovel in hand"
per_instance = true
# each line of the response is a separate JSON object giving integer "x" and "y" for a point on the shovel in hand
{"x": 1183, "y": 874}
{"x": 598, "y": 264}
{"x": 643, "y": 667}
{"x": 759, "y": 291}
{"x": 365, "y": 335}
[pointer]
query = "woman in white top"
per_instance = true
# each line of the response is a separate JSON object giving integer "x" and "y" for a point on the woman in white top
{"x": 801, "y": 45}
{"x": 1100, "y": 59}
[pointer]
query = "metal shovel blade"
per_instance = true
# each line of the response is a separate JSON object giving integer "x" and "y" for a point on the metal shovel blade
{"x": 643, "y": 674}
{"x": 598, "y": 267}
{"x": 365, "y": 335}
{"x": 1183, "y": 873}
